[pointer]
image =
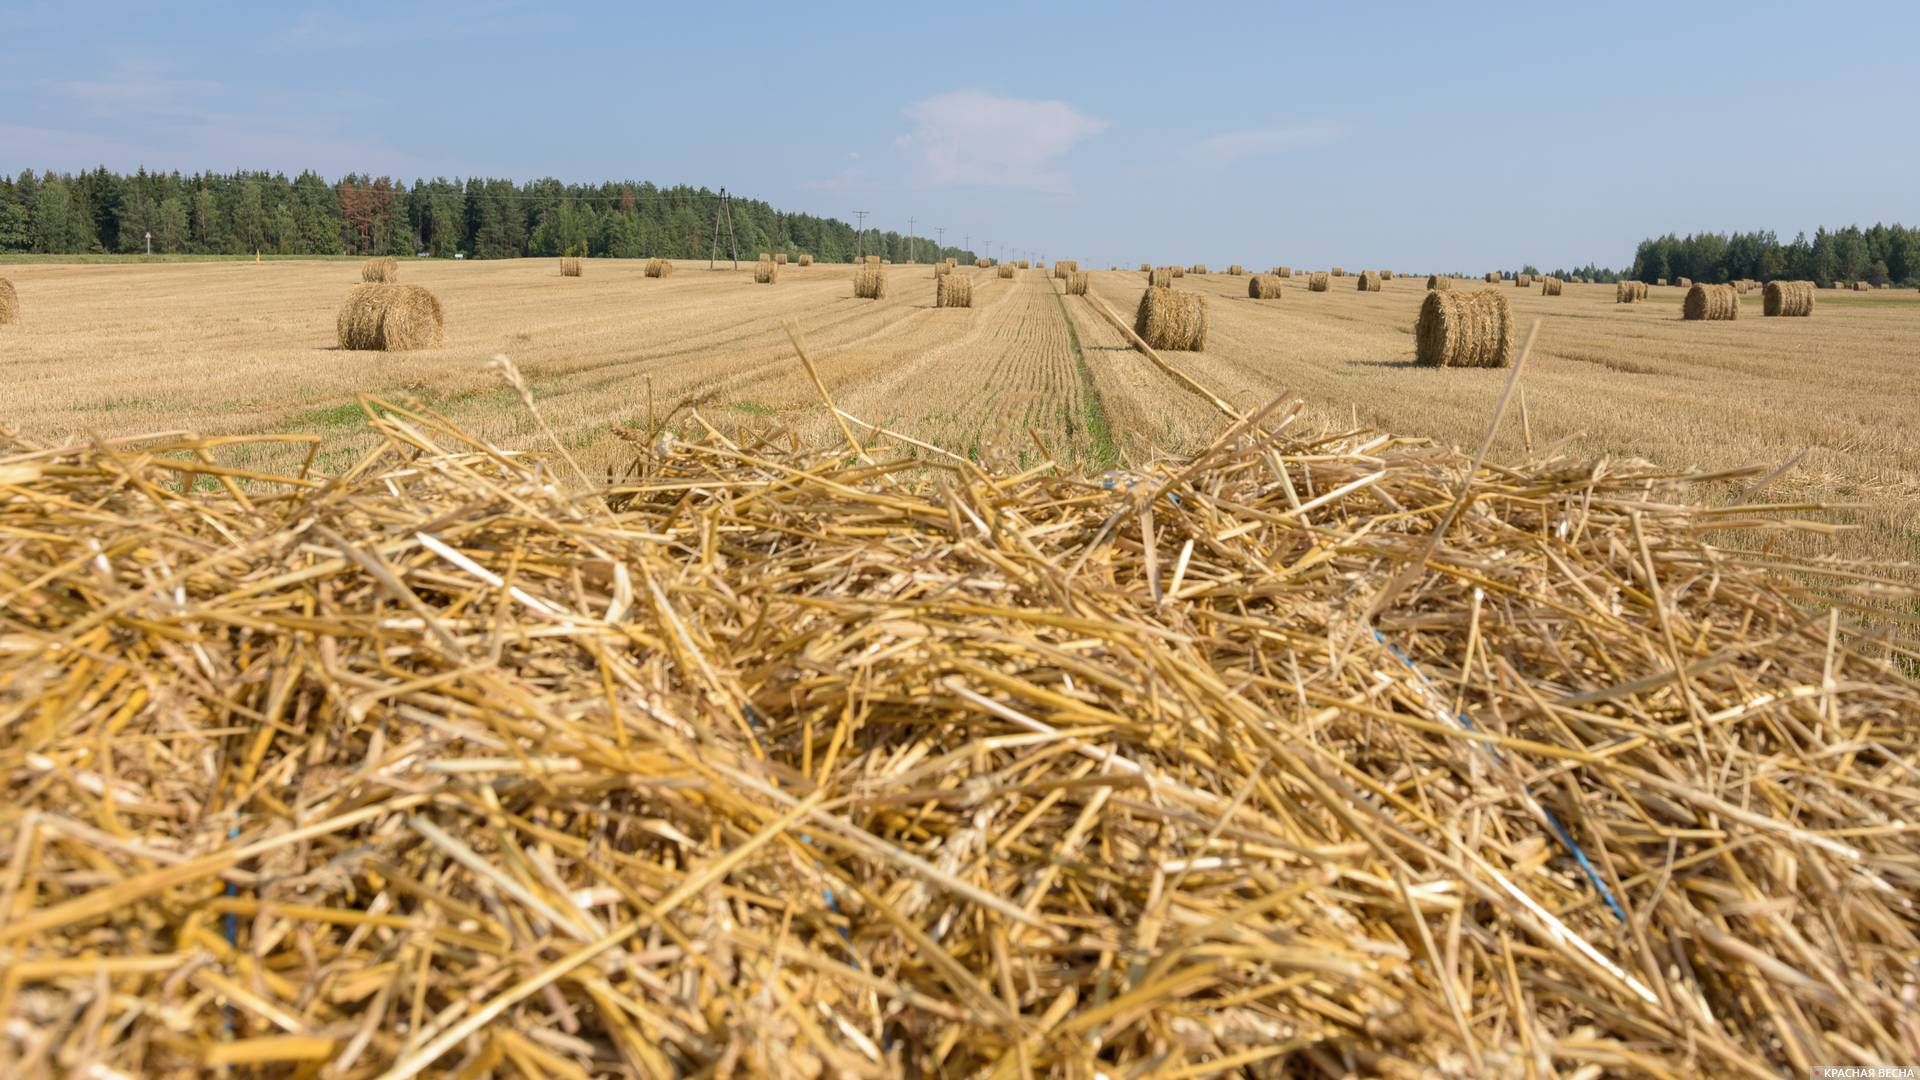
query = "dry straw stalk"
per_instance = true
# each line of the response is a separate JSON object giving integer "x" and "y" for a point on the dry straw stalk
{"x": 389, "y": 318}
{"x": 1712, "y": 303}
{"x": 1465, "y": 329}
{"x": 1168, "y": 319}
{"x": 1791, "y": 298}
{"x": 953, "y": 291}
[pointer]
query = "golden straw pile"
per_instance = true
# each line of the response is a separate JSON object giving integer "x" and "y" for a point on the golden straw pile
{"x": 1314, "y": 755}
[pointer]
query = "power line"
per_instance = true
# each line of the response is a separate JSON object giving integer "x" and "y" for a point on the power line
{"x": 910, "y": 239}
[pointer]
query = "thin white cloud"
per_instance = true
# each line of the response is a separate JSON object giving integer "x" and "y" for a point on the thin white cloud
{"x": 844, "y": 180}
{"x": 970, "y": 138}
{"x": 1232, "y": 145}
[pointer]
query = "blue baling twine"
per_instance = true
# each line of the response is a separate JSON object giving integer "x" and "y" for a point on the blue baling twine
{"x": 1559, "y": 830}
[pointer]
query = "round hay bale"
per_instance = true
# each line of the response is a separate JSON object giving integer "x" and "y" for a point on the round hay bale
{"x": 1063, "y": 267}
{"x": 1386, "y": 275}
{"x": 1319, "y": 282}
{"x": 658, "y": 268}
{"x": 1004, "y": 270}
{"x": 569, "y": 267}
{"x": 766, "y": 273}
{"x": 1640, "y": 289}
{"x": 870, "y": 282}
{"x": 1337, "y": 272}
{"x": 1146, "y": 268}
{"x": 1438, "y": 283}
{"x": 941, "y": 269}
{"x": 982, "y": 264}
{"x": 1787, "y": 298}
{"x": 1172, "y": 320}
{"x": 1264, "y": 287}
{"x": 1177, "y": 271}
{"x": 1521, "y": 281}
{"x": 1464, "y": 329}
{"x": 1161, "y": 278}
{"x": 1077, "y": 283}
{"x": 1683, "y": 282}
{"x": 1024, "y": 264}
{"x": 381, "y": 271}
{"x": 1625, "y": 292}
{"x": 1198, "y": 268}
{"x": 779, "y": 258}
{"x": 1859, "y": 286}
{"x": 389, "y": 318}
{"x": 1235, "y": 270}
{"x": 1660, "y": 281}
{"x": 874, "y": 260}
{"x": 953, "y": 291}
{"x": 805, "y": 260}
{"x": 1711, "y": 303}
{"x": 1550, "y": 286}
{"x": 9, "y": 303}
{"x": 1493, "y": 277}
{"x": 1368, "y": 281}
{"x": 1281, "y": 271}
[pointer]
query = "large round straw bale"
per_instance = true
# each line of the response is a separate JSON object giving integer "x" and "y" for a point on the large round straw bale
{"x": 9, "y": 302}
{"x": 1172, "y": 320}
{"x": 1368, "y": 281}
{"x": 941, "y": 269}
{"x": 1235, "y": 270}
{"x": 1386, "y": 275}
{"x": 1438, "y": 283}
{"x": 1319, "y": 282}
{"x": 1660, "y": 281}
{"x": 1025, "y": 264}
{"x": 389, "y": 318}
{"x": 1624, "y": 292}
{"x": 1550, "y": 286}
{"x": 1004, "y": 270}
{"x": 1493, "y": 277}
{"x": 1077, "y": 283}
{"x": 1336, "y": 272}
{"x": 1714, "y": 303}
{"x": 874, "y": 260}
{"x": 569, "y": 267}
{"x": 1640, "y": 290}
{"x": 870, "y": 283}
{"x": 1160, "y": 278}
{"x": 1683, "y": 283}
{"x": 1859, "y": 286}
{"x": 1281, "y": 271}
{"x": 1177, "y": 271}
{"x": 779, "y": 258}
{"x": 1198, "y": 268}
{"x": 1464, "y": 329}
{"x": 1263, "y": 287}
{"x": 383, "y": 271}
{"x": 982, "y": 264}
{"x": 805, "y": 260}
{"x": 658, "y": 268}
{"x": 1787, "y": 298}
{"x": 1146, "y": 268}
{"x": 953, "y": 291}
{"x": 766, "y": 272}
{"x": 1521, "y": 281}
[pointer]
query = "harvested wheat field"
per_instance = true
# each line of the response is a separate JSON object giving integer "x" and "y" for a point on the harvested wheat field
{"x": 1050, "y": 707}
{"x": 227, "y": 348}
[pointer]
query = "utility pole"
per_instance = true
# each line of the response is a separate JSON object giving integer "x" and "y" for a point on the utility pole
{"x": 733, "y": 246}
{"x": 910, "y": 240}
{"x": 860, "y": 232}
{"x": 966, "y": 241}
{"x": 941, "y": 232}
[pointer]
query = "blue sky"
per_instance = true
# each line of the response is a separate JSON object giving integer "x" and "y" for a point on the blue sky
{"x": 1411, "y": 136}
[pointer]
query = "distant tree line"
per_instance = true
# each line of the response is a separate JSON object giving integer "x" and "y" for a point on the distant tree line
{"x": 1879, "y": 255}
{"x": 241, "y": 213}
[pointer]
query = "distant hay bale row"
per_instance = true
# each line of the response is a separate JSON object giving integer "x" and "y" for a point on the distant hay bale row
{"x": 1337, "y": 272}
{"x": 1235, "y": 270}
{"x": 766, "y": 272}
{"x": 1462, "y": 329}
{"x": 1319, "y": 282}
{"x": 953, "y": 291}
{"x": 1077, "y": 283}
{"x": 1628, "y": 292}
{"x": 870, "y": 282}
{"x": 1172, "y": 320}
{"x": 383, "y": 271}
{"x": 569, "y": 267}
{"x": 806, "y": 260}
{"x": 9, "y": 303}
{"x": 389, "y": 318}
{"x": 1198, "y": 268}
{"x": 1004, "y": 270}
{"x": 1368, "y": 281}
{"x": 1787, "y": 298}
{"x": 1522, "y": 281}
{"x": 662, "y": 268}
{"x": 1550, "y": 286}
{"x": 1386, "y": 275}
{"x": 1438, "y": 283}
{"x": 1493, "y": 277}
{"x": 1712, "y": 303}
{"x": 1161, "y": 278}
{"x": 1264, "y": 287}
